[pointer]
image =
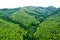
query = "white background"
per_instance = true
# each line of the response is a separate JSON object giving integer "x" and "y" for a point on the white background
{"x": 21, "y": 3}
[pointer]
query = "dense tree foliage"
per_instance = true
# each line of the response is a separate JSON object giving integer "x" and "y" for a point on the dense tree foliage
{"x": 49, "y": 29}
{"x": 11, "y": 31}
{"x": 30, "y": 23}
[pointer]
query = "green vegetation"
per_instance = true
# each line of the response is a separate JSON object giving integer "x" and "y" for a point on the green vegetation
{"x": 11, "y": 31}
{"x": 49, "y": 29}
{"x": 30, "y": 23}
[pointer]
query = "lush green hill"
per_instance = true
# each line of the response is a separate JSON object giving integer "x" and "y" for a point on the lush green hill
{"x": 30, "y": 23}
{"x": 11, "y": 31}
{"x": 27, "y": 21}
{"x": 7, "y": 12}
{"x": 40, "y": 13}
{"x": 22, "y": 17}
{"x": 49, "y": 29}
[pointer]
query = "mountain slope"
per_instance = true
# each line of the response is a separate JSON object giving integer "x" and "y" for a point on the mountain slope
{"x": 11, "y": 31}
{"x": 7, "y": 12}
{"x": 22, "y": 17}
{"x": 49, "y": 29}
{"x": 40, "y": 13}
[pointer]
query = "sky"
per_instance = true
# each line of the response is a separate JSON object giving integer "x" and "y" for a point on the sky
{"x": 22, "y": 3}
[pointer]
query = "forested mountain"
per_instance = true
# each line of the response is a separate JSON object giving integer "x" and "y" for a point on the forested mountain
{"x": 30, "y": 23}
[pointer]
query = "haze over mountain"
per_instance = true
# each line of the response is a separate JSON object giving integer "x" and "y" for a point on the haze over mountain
{"x": 30, "y": 23}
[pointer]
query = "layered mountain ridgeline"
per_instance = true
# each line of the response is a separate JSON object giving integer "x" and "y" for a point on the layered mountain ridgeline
{"x": 30, "y": 23}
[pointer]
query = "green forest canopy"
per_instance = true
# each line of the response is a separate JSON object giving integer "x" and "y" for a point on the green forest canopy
{"x": 30, "y": 23}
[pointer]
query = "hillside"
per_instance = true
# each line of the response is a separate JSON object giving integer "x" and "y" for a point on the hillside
{"x": 30, "y": 23}
{"x": 49, "y": 29}
{"x": 11, "y": 31}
